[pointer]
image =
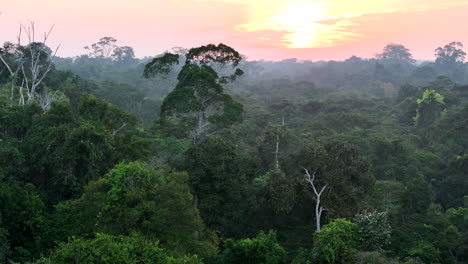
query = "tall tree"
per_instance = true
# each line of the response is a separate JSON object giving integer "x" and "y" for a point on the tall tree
{"x": 396, "y": 53}
{"x": 32, "y": 64}
{"x": 450, "y": 54}
{"x": 219, "y": 178}
{"x": 133, "y": 198}
{"x": 107, "y": 249}
{"x": 104, "y": 48}
{"x": 198, "y": 106}
{"x": 430, "y": 107}
{"x": 338, "y": 175}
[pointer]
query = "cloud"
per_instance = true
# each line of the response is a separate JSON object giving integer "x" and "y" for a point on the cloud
{"x": 318, "y": 24}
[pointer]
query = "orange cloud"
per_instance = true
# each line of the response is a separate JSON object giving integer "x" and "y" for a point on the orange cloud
{"x": 317, "y": 24}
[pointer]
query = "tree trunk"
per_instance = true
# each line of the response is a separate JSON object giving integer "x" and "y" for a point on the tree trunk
{"x": 318, "y": 207}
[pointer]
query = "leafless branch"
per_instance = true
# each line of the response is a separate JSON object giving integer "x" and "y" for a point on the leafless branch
{"x": 117, "y": 130}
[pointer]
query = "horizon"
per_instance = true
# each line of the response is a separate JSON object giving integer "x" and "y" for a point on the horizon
{"x": 262, "y": 30}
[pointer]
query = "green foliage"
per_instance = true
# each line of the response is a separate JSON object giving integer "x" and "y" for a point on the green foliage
{"x": 334, "y": 240}
{"x": 373, "y": 257}
{"x": 263, "y": 249}
{"x": 24, "y": 225}
{"x": 169, "y": 150}
{"x": 387, "y": 196}
{"x": 454, "y": 185}
{"x": 198, "y": 102}
{"x": 61, "y": 149}
{"x": 425, "y": 251}
{"x": 450, "y": 54}
{"x": 430, "y": 108}
{"x": 287, "y": 145}
{"x": 4, "y": 246}
{"x": 396, "y": 53}
{"x": 132, "y": 99}
{"x": 346, "y": 121}
{"x": 417, "y": 197}
{"x": 107, "y": 249}
{"x": 133, "y": 198}
{"x": 198, "y": 105}
{"x": 374, "y": 230}
{"x": 222, "y": 54}
{"x": 342, "y": 168}
{"x": 303, "y": 256}
{"x": 271, "y": 185}
{"x": 160, "y": 65}
{"x": 219, "y": 177}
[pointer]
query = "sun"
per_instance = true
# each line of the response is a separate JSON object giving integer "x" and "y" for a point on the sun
{"x": 300, "y": 19}
{"x": 299, "y": 22}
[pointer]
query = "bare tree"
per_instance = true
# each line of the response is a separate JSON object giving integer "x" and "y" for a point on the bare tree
{"x": 36, "y": 71}
{"x": 318, "y": 194}
{"x": 33, "y": 74}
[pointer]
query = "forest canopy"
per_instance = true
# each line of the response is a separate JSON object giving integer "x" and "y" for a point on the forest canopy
{"x": 200, "y": 156}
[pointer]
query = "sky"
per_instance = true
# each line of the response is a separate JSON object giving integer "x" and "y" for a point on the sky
{"x": 260, "y": 29}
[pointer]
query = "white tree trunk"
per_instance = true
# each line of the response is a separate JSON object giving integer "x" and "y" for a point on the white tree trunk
{"x": 37, "y": 72}
{"x": 318, "y": 207}
{"x": 277, "y": 152}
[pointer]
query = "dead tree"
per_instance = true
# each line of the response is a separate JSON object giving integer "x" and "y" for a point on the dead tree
{"x": 37, "y": 71}
{"x": 318, "y": 194}
{"x": 33, "y": 75}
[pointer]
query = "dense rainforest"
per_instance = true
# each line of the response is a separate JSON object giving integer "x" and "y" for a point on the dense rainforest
{"x": 202, "y": 156}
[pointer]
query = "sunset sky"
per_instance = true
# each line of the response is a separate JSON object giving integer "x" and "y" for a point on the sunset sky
{"x": 260, "y": 29}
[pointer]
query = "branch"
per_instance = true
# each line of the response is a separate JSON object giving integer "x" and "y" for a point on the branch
{"x": 46, "y": 35}
{"x": 323, "y": 189}
{"x": 49, "y": 67}
{"x": 6, "y": 64}
{"x": 25, "y": 78}
{"x": 117, "y": 130}
{"x": 19, "y": 35}
{"x": 311, "y": 179}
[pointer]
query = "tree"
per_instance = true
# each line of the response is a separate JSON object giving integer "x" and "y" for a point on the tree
{"x": 332, "y": 243}
{"x": 417, "y": 197}
{"x": 318, "y": 194}
{"x": 453, "y": 186}
{"x": 272, "y": 184}
{"x": 220, "y": 180}
{"x": 374, "y": 230}
{"x": 396, "y": 53}
{"x": 338, "y": 175}
{"x": 104, "y": 48}
{"x": 107, "y": 249}
{"x": 123, "y": 54}
{"x": 430, "y": 107}
{"x": 65, "y": 149}
{"x": 32, "y": 66}
{"x": 263, "y": 249}
{"x": 450, "y": 54}
{"x": 4, "y": 246}
{"x": 278, "y": 142}
{"x": 198, "y": 106}
{"x": 133, "y": 198}
{"x": 24, "y": 223}
{"x": 284, "y": 109}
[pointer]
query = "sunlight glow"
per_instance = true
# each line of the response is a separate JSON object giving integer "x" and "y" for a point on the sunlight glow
{"x": 299, "y": 22}
{"x": 319, "y": 23}
{"x": 299, "y": 18}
